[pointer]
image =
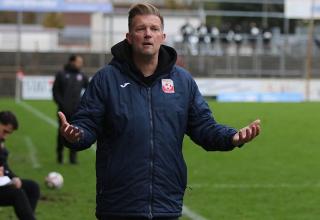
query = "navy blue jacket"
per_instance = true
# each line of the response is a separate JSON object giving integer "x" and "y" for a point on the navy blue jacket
{"x": 139, "y": 130}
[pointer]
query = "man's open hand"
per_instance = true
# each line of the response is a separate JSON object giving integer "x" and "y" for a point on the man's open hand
{"x": 246, "y": 134}
{"x": 16, "y": 182}
{"x": 71, "y": 133}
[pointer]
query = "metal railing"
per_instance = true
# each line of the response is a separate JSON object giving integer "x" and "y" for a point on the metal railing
{"x": 283, "y": 57}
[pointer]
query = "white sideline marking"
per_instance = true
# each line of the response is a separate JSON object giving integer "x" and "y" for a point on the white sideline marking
{"x": 190, "y": 214}
{"x": 94, "y": 147}
{"x": 255, "y": 186}
{"x": 194, "y": 216}
{"x": 45, "y": 118}
{"x": 39, "y": 114}
{"x": 32, "y": 152}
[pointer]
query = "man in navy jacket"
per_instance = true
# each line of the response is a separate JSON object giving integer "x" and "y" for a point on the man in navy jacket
{"x": 138, "y": 108}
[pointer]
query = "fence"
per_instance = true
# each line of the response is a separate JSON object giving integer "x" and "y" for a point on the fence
{"x": 285, "y": 57}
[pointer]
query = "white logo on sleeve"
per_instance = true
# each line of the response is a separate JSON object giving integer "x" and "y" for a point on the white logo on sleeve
{"x": 124, "y": 85}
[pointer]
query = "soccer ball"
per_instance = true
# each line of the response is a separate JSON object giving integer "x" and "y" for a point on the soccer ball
{"x": 54, "y": 180}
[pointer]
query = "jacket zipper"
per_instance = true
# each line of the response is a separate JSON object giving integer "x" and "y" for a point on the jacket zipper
{"x": 151, "y": 154}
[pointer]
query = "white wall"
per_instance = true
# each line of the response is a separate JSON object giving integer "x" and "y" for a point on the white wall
{"x": 299, "y": 9}
{"x": 257, "y": 87}
{"x": 39, "y": 87}
{"x": 30, "y": 41}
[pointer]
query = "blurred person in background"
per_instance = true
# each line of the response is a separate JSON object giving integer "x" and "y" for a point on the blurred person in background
{"x": 203, "y": 39}
{"x": 316, "y": 39}
{"x": 254, "y": 33}
{"x": 238, "y": 37}
{"x": 68, "y": 87}
{"x": 22, "y": 194}
{"x": 186, "y": 30}
{"x": 202, "y": 32}
{"x": 188, "y": 35}
{"x": 138, "y": 108}
{"x": 266, "y": 38}
{"x": 227, "y": 35}
{"x": 214, "y": 39}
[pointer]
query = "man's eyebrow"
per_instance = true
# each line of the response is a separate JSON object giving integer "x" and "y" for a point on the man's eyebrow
{"x": 141, "y": 25}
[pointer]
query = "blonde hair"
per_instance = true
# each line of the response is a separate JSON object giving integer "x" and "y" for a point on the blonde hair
{"x": 143, "y": 9}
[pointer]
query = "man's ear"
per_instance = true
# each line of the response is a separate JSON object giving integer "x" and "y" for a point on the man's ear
{"x": 164, "y": 36}
{"x": 128, "y": 37}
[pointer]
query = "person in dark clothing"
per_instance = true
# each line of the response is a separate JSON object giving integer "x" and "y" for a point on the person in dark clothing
{"x": 68, "y": 88}
{"x": 266, "y": 38}
{"x": 187, "y": 30}
{"x": 227, "y": 36}
{"x": 22, "y": 194}
{"x": 138, "y": 108}
{"x": 317, "y": 41}
{"x": 254, "y": 33}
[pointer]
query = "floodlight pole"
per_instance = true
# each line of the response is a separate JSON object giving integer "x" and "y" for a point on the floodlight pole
{"x": 18, "y": 55}
{"x": 202, "y": 14}
{"x": 103, "y": 40}
{"x": 265, "y": 13}
{"x": 19, "y": 31}
{"x": 309, "y": 56}
{"x": 107, "y": 35}
{"x": 111, "y": 28}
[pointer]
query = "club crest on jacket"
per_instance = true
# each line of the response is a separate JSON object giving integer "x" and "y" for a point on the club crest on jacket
{"x": 167, "y": 86}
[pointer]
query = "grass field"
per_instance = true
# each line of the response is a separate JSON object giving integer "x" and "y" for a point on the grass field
{"x": 274, "y": 177}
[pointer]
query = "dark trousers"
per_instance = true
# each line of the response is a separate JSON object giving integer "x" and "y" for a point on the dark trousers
{"x": 60, "y": 147}
{"x": 134, "y": 218}
{"x": 23, "y": 200}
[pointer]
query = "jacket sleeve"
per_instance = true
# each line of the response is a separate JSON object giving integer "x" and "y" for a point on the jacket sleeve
{"x": 202, "y": 127}
{"x": 85, "y": 81}
{"x": 57, "y": 90}
{"x": 90, "y": 114}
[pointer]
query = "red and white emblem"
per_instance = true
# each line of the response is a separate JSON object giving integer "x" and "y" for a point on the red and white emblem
{"x": 167, "y": 86}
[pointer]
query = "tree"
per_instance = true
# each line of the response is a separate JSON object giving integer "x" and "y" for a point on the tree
{"x": 53, "y": 20}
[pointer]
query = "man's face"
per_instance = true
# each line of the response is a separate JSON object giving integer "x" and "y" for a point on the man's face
{"x": 146, "y": 35}
{"x": 5, "y": 130}
{"x": 78, "y": 63}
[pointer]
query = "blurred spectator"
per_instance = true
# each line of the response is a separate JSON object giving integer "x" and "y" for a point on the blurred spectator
{"x": 67, "y": 90}
{"x": 189, "y": 38}
{"x": 214, "y": 34}
{"x": 238, "y": 36}
{"x": 214, "y": 39}
{"x": 253, "y": 35}
{"x": 202, "y": 32}
{"x": 317, "y": 41}
{"x": 187, "y": 30}
{"x": 203, "y": 39}
{"x": 225, "y": 30}
{"x": 22, "y": 194}
{"x": 227, "y": 35}
{"x": 266, "y": 38}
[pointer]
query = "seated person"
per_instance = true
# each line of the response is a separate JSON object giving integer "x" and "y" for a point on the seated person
{"x": 22, "y": 194}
